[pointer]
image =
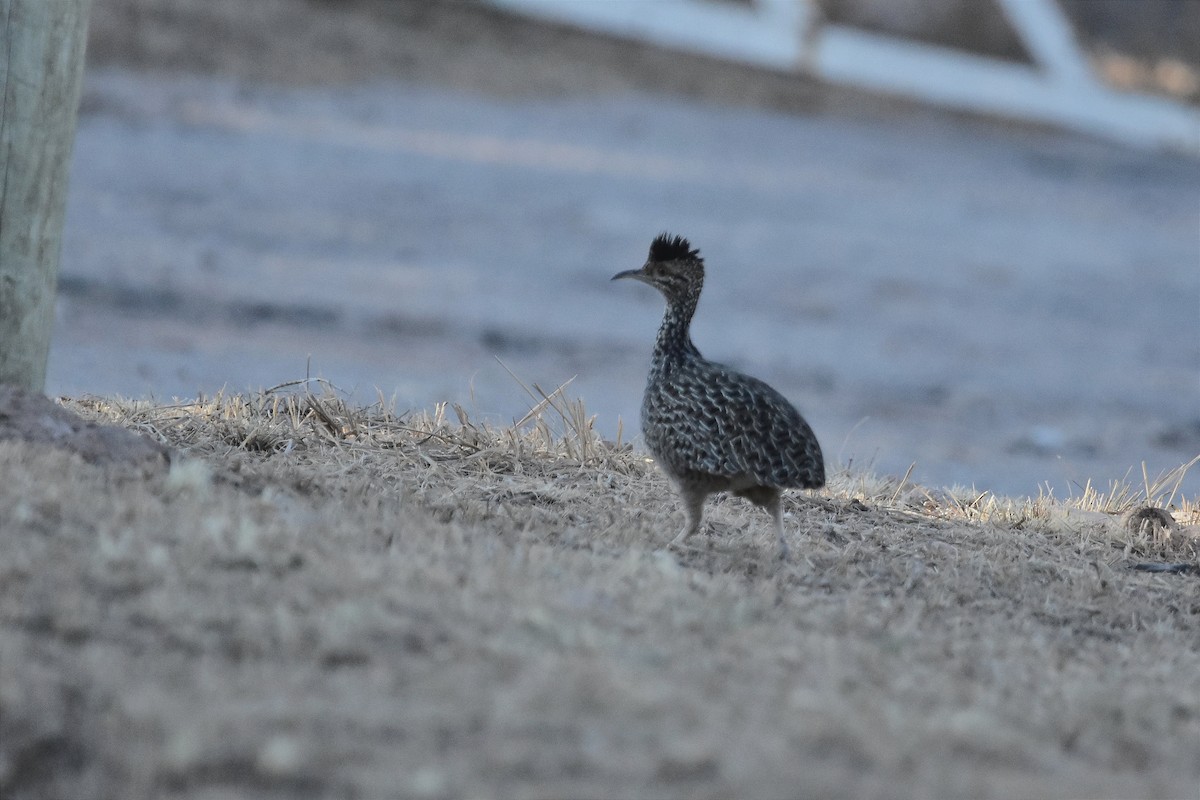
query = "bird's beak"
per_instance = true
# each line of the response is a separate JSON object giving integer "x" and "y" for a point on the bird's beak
{"x": 636, "y": 274}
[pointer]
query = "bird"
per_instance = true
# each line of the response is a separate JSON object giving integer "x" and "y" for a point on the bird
{"x": 709, "y": 427}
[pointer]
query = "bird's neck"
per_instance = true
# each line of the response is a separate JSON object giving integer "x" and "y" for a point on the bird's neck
{"x": 674, "y": 342}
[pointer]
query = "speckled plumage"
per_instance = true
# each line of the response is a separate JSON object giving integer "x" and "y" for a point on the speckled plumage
{"x": 712, "y": 428}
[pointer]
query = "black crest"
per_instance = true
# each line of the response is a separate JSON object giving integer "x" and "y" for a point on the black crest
{"x": 666, "y": 247}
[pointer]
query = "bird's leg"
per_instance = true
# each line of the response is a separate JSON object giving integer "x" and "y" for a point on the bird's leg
{"x": 768, "y": 497}
{"x": 775, "y": 508}
{"x": 693, "y": 506}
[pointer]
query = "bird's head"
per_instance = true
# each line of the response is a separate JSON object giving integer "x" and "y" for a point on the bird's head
{"x": 672, "y": 267}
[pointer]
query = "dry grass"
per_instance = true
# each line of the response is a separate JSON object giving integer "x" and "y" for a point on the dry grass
{"x": 318, "y": 600}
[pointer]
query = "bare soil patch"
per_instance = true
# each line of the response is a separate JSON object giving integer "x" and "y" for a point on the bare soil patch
{"x": 36, "y": 420}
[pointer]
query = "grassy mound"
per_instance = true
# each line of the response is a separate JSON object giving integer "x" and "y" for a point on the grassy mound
{"x": 319, "y": 600}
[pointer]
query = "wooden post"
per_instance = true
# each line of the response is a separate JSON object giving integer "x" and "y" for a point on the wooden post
{"x": 41, "y": 70}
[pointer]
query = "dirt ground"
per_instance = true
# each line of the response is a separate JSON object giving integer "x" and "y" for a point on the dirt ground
{"x": 306, "y": 599}
{"x": 458, "y": 45}
{"x": 466, "y": 45}
{"x": 313, "y": 600}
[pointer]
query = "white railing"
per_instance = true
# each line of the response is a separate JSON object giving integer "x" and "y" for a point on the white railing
{"x": 1060, "y": 88}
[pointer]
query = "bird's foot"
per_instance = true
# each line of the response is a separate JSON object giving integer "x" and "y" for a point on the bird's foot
{"x": 681, "y": 542}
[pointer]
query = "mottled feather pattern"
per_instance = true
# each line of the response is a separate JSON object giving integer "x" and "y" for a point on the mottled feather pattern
{"x": 705, "y": 417}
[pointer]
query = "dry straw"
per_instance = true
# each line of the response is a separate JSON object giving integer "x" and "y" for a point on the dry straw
{"x": 311, "y": 426}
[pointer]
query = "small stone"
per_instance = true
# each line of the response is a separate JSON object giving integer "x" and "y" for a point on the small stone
{"x": 1149, "y": 519}
{"x": 280, "y": 755}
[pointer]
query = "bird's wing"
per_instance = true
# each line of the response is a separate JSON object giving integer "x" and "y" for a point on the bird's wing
{"x": 734, "y": 425}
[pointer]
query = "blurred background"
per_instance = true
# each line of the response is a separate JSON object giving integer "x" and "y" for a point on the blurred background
{"x": 393, "y": 195}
